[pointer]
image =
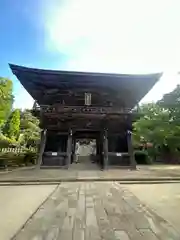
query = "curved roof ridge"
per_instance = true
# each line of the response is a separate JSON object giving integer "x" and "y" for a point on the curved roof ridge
{"x": 131, "y": 88}
{"x": 15, "y": 68}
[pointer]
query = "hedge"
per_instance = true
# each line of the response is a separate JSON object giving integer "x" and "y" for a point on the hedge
{"x": 142, "y": 157}
{"x": 12, "y": 159}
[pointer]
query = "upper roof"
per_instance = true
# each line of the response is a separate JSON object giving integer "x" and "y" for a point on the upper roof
{"x": 46, "y": 85}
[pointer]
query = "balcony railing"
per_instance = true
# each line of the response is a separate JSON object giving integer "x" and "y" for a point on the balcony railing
{"x": 83, "y": 109}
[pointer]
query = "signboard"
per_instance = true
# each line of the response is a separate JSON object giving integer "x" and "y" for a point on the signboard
{"x": 87, "y": 99}
{"x": 118, "y": 154}
{"x": 54, "y": 153}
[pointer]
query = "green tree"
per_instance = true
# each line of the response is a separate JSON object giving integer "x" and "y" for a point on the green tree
{"x": 29, "y": 128}
{"x": 171, "y": 102}
{"x": 153, "y": 125}
{"x": 12, "y": 126}
{"x": 6, "y": 99}
{"x": 160, "y": 122}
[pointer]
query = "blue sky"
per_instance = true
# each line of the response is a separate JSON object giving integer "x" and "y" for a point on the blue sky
{"x": 141, "y": 36}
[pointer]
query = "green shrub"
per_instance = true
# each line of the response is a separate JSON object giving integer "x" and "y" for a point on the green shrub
{"x": 4, "y": 141}
{"x": 27, "y": 157}
{"x": 12, "y": 159}
{"x": 7, "y": 142}
{"x": 3, "y": 163}
{"x": 30, "y": 157}
{"x": 142, "y": 157}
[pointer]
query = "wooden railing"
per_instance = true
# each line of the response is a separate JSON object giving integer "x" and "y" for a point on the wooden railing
{"x": 83, "y": 109}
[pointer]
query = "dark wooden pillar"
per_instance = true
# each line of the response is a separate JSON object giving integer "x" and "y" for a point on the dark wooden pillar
{"x": 98, "y": 150}
{"x": 97, "y": 146}
{"x": 69, "y": 149}
{"x": 42, "y": 146}
{"x": 73, "y": 149}
{"x": 130, "y": 150}
{"x": 105, "y": 149}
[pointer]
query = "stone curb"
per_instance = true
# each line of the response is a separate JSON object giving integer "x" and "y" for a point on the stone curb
{"x": 94, "y": 179}
{"x": 55, "y": 182}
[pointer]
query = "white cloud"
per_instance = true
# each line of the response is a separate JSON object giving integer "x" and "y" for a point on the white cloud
{"x": 125, "y": 36}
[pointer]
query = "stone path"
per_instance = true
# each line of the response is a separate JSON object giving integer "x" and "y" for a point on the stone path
{"x": 95, "y": 211}
{"x": 17, "y": 204}
{"x": 164, "y": 199}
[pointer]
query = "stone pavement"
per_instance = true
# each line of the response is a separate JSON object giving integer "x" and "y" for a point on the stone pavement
{"x": 95, "y": 174}
{"x": 95, "y": 211}
{"x": 164, "y": 199}
{"x": 17, "y": 204}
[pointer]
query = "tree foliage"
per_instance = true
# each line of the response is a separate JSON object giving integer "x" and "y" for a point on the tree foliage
{"x": 16, "y": 127}
{"x": 12, "y": 126}
{"x": 21, "y": 128}
{"x": 29, "y": 128}
{"x": 160, "y": 122}
{"x": 6, "y": 142}
{"x": 6, "y": 99}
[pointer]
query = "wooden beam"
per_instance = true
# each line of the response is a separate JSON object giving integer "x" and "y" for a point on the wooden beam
{"x": 130, "y": 150}
{"x": 105, "y": 149}
{"x": 42, "y": 147}
{"x": 69, "y": 149}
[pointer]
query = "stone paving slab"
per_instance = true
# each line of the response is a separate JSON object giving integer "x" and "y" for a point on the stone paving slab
{"x": 163, "y": 199}
{"x": 98, "y": 211}
{"x": 17, "y": 204}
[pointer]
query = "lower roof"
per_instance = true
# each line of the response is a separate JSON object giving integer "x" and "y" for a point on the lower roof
{"x": 46, "y": 85}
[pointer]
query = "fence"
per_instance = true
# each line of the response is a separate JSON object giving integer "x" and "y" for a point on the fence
{"x": 18, "y": 150}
